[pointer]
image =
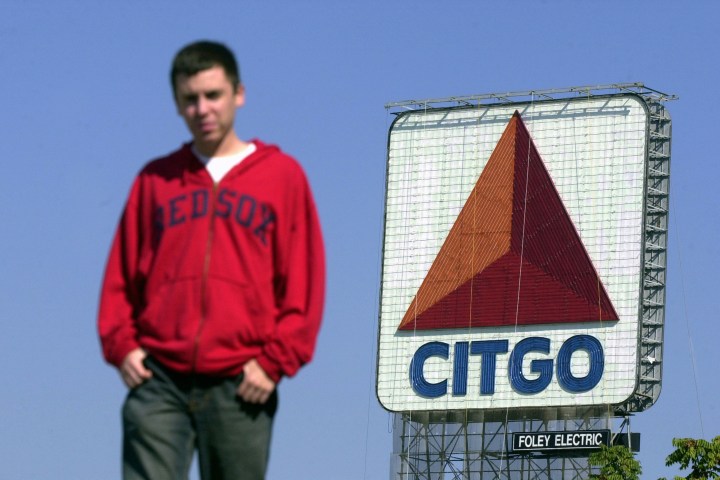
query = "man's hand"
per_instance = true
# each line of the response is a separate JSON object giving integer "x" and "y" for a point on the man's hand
{"x": 132, "y": 369}
{"x": 256, "y": 386}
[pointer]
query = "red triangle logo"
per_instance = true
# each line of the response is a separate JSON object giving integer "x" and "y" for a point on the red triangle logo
{"x": 513, "y": 256}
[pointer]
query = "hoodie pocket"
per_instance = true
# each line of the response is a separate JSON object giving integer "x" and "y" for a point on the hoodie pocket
{"x": 172, "y": 312}
{"x": 238, "y": 313}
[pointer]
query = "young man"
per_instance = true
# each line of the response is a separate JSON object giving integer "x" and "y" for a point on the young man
{"x": 213, "y": 289}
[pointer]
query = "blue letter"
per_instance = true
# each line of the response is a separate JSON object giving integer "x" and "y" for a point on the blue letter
{"x": 460, "y": 368}
{"x": 417, "y": 378}
{"x": 543, "y": 367}
{"x": 489, "y": 350}
{"x": 268, "y": 218}
{"x": 245, "y": 222}
{"x": 597, "y": 363}
{"x": 159, "y": 219}
{"x": 176, "y": 216}
{"x": 199, "y": 203}
{"x": 225, "y": 203}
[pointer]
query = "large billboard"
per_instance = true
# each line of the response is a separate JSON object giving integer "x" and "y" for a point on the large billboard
{"x": 513, "y": 255}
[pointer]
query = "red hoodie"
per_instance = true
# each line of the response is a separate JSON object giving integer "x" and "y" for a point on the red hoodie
{"x": 207, "y": 276}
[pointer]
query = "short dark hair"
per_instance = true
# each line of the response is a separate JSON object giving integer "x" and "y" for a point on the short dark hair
{"x": 199, "y": 56}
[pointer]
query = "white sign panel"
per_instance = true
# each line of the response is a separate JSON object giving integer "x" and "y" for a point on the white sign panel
{"x": 512, "y": 256}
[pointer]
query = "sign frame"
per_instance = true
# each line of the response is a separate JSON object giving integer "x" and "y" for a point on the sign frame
{"x": 637, "y": 398}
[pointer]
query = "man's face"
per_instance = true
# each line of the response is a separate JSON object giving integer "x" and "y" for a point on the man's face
{"x": 207, "y": 101}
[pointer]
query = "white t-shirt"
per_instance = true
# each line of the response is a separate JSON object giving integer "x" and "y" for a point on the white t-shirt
{"x": 217, "y": 167}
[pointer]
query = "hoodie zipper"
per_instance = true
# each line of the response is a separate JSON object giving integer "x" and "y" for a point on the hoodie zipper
{"x": 205, "y": 275}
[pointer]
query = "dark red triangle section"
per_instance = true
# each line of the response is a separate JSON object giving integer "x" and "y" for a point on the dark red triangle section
{"x": 534, "y": 271}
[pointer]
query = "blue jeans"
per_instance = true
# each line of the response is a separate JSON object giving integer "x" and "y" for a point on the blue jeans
{"x": 171, "y": 415}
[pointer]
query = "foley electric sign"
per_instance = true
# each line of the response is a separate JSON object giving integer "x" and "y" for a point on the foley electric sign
{"x": 513, "y": 255}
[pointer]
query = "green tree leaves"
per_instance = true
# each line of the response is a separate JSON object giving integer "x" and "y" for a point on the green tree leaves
{"x": 701, "y": 456}
{"x": 616, "y": 463}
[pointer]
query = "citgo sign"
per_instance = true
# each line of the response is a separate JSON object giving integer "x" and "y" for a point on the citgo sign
{"x": 512, "y": 256}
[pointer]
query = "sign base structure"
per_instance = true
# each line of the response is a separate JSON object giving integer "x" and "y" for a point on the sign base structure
{"x": 470, "y": 445}
{"x": 523, "y": 278}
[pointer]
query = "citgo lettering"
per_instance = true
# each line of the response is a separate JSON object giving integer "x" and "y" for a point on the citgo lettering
{"x": 488, "y": 350}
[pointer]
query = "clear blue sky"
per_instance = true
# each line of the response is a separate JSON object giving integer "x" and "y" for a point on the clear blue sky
{"x": 86, "y": 102}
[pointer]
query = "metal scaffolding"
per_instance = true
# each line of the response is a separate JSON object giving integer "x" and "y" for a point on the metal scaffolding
{"x": 657, "y": 203}
{"x": 472, "y": 446}
{"x": 649, "y": 94}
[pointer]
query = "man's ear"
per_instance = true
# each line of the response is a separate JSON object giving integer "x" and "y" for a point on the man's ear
{"x": 176, "y": 101}
{"x": 239, "y": 95}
